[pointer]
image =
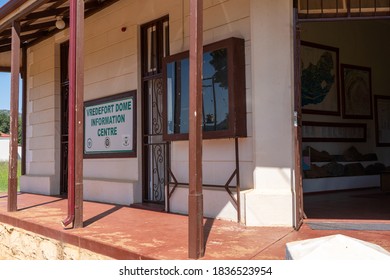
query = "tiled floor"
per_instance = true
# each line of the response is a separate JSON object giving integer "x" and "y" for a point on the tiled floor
{"x": 364, "y": 204}
{"x": 129, "y": 233}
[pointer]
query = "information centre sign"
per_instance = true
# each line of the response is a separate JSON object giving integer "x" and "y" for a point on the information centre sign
{"x": 110, "y": 126}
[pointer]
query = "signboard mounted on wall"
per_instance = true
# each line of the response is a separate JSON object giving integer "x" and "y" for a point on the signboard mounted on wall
{"x": 110, "y": 126}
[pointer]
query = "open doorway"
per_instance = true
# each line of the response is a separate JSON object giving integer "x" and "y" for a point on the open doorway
{"x": 345, "y": 108}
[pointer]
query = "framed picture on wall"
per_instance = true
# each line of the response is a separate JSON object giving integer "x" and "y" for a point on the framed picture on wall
{"x": 333, "y": 132}
{"x": 319, "y": 79}
{"x": 382, "y": 120}
{"x": 356, "y": 92}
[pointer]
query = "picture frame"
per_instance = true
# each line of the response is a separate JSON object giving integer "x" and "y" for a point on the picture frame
{"x": 333, "y": 132}
{"x": 320, "y": 92}
{"x": 356, "y": 91}
{"x": 382, "y": 120}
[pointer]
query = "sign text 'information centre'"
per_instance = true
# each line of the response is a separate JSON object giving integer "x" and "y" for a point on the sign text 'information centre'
{"x": 109, "y": 125}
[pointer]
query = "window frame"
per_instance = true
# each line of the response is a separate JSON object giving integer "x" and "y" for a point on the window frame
{"x": 160, "y": 24}
{"x": 237, "y": 126}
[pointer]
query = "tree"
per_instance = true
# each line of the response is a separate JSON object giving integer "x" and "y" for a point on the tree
{"x": 19, "y": 130}
{"x": 219, "y": 62}
{"x": 5, "y": 124}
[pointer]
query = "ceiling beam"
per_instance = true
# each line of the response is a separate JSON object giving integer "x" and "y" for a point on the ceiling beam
{"x": 55, "y": 5}
{"x": 6, "y": 48}
{"x": 27, "y": 16}
{"x": 27, "y": 37}
{"x": 62, "y": 10}
{"x": 17, "y": 9}
{"x": 90, "y": 9}
{"x": 30, "y": 27}
{"x": 46, "y": 13}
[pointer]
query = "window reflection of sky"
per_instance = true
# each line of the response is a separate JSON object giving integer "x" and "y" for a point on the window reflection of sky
{"x": 185, "y": 87}
{"x": 215, "y": 96}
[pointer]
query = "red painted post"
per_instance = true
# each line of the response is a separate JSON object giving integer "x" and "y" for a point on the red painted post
{"x": 14, "y": 117}
{"x": 195, "y": 198}
{"x": 76, "y": 115}
{"x": 79, "y": 116}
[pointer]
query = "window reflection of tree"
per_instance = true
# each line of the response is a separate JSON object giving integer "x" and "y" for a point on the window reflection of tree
{"x": 210, "y": 118}
{"x": 219, "y": 62}
{"x": 216, "y": 73}
{"x": 223, "y": 92}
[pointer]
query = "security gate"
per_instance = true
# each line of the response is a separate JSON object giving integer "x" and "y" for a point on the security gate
{"x": 64, "y": 116}
{"x": 155, "y": 46}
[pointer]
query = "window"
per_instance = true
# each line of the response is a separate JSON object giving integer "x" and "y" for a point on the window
{"x": 152, "y": 49}
{"x": 224, "y": 102}
{"x": 155, "y": 44}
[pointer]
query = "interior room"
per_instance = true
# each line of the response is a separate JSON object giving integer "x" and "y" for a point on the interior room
{"x": 346, "y": 124}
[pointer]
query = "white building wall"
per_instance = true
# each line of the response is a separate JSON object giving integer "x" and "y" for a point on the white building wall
{"x": 42, "y": 143}
{"x": 4, "y": 149}
{"x": 111, "y": 63}
{"x": 271, "y": 201}
{"x": 112, "y": 66}
{"x": 222, "y": 19}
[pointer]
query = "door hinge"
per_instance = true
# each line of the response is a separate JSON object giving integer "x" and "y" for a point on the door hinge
{"x": 295, "y": 118}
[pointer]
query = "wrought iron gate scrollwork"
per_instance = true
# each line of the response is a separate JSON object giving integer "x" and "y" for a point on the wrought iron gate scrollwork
{"x": 155, "y": 46}
{"x": 64, "y": 52}
{"x": 157, "y": 95}
{"x": 157, "y": 149}
{"x": 158, "y": 183}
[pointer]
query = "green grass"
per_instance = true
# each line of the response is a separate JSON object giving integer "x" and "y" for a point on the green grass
{"x": 4, "y": 176}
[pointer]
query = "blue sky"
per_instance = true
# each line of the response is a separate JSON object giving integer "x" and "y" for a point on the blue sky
{"x": 5, "y": 83}
{"x": 5, "y": 89}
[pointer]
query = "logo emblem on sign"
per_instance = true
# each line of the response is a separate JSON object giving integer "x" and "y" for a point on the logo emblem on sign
{"x": 107, "y": 142}
{"x": 89, "y": 143}
{"x": 126, "y": 141}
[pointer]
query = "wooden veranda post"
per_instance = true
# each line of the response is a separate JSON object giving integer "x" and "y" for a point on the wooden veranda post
{"x": 195, "y": 199}
{"x": 299, "y": 214}
{"x": 14, "y": 117}
{"x": 76, "y": 115}
{"x": 79, "y": 112}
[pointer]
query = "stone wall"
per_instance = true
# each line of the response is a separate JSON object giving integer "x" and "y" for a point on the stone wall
{"x": 19, "y": 244}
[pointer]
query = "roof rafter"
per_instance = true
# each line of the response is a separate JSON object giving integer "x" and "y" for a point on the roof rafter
{"x": 38, "y": 20}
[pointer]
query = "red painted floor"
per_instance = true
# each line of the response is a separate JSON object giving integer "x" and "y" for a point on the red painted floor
{"x": 364, "y": 204}
{"x": 128, "y": 233}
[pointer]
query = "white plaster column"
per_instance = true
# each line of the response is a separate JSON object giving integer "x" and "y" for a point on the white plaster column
{"x": 271, "y": 201}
